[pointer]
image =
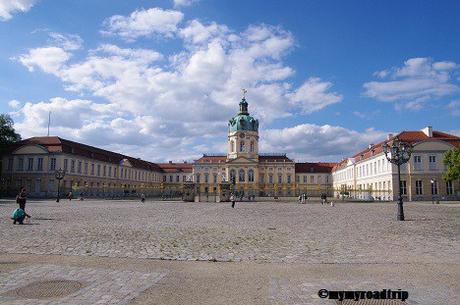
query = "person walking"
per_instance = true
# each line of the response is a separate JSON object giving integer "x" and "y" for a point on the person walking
{"x": 232, "y": 199}
{"x": 21, "y": 201}
{"x": 142, "y": 197}
{"x": 70, "y": 196}
{"x": 323, "y": 198}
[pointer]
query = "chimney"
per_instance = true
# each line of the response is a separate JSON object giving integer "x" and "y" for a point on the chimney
{"x": 170, "y": 162}
{"x": 389, "y": 136}
{"x": 370, "y": 146}
{"x": 428, "y": 131}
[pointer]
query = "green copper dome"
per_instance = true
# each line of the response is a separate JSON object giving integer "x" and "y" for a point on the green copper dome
{"x": 243, "y": 121}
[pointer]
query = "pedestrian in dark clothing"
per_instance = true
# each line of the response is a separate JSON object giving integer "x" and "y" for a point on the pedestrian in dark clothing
{"x": 21, "y": 200}
{"x": 232, "y": 199}
{"x": 323, "y": 198}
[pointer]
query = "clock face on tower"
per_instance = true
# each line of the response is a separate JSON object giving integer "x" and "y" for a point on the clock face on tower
{"x": 242, "y": 135}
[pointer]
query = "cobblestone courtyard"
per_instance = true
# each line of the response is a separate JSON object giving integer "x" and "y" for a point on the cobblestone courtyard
{"x": 280, "y": 253}
{"x": 281, "y": 232}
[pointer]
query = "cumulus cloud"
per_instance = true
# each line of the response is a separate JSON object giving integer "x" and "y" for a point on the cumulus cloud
{"x": 48, "y": 59}
{"x": 9, "y": 7}
{"x": 143, "y": 23}
{"x": 310, "y": 142}
{"x": 15, "y": 104}
{"x": 417, "y": 81}
{"x": 314, "y": 95}
{"x": 180, "y": 99}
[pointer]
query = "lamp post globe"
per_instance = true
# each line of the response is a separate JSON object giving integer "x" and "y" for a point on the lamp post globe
{"x": 398, "y": 153}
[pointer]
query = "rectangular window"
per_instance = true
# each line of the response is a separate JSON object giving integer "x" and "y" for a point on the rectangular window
{"x": 40, "y": 164}
{"x": 99, "y": 170}
{"x": 104, "y": 171}
{"x": 121, "y": 172}
{"x": 184, "y": 178}
{"x": 270, "y": 178}
{"x": 215, "y": 178}
{"x": 434, "y": 187}
{"x": 79, "y": 167}
{"x": 418, "y": 187}
{"x": 52, "y": 164}
{"x": 30, "y": 164}
{"x": 403, "y": 187}
{"x": 164, "y": 178}
{"x": 198, "y": 178}
{"x": 10, "y": 164}
{"x": 312, "y": 179}
{"x": 170, "y": 178}
{"x": 72, "y": 166}
{"x": 288, "y": 178}
{"x": 449, "y": 188}
{"x": 261, "y": 178}
{"x": 86, "y": 168}
{"x": 417, "y": 162}
{"x": 280, "y": 179}
{"x": 297, "y": 179}
{"x": 110, "y": 171}
{"x": 177, "y": 178}
{"x": 432, "y": 162}
{"x": 305, "y": 179}
{"x": 66, "y": 164}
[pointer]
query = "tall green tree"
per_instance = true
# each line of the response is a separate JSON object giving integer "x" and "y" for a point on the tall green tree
{"x": 7, "y": 133}
{"x": 452, "y": 161}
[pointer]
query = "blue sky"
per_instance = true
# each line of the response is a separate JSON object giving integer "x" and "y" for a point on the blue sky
{"x": 159, "y": 79}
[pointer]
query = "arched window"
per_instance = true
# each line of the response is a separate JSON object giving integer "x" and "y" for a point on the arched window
{"x": 241, "y": 146}
{"x": 251, "y": 175}
{"x": 232, "y": 175}
{"x": 252, "y": 146}
{"x": 241, "y": 175}
{"x": 232, "y": 146}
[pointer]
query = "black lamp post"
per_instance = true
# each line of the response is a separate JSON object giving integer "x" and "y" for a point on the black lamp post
{"x": 398, "y": 153}
{"x": 59, "y": 175}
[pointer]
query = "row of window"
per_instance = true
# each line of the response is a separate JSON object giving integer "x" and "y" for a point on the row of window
{"x": 177, "y": 178}
{"x": 80, "y": 167}
{"x": 434, "y": 187}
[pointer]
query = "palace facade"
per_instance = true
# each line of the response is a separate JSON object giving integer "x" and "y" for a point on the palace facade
{"x": 94, "y": 172}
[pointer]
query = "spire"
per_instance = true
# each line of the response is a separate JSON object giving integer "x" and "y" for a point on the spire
{"x": 243, "y": 103}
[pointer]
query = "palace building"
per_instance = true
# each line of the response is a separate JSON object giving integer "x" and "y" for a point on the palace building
{"x": 94, "y": 172}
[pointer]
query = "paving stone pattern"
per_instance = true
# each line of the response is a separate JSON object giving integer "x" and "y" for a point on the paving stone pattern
{"x": 99, "y": 286}
{"x": 261, "y": 232}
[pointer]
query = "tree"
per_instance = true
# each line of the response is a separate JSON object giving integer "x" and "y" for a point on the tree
{"x": 7, "y": 133}
{"x": 452, "y": 161}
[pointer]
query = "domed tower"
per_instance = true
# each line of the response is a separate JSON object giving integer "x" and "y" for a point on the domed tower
{"x": 243, "y": 134}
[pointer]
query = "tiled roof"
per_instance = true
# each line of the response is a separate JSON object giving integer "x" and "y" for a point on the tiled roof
{"x": 274, "y": 158}
{"x": 318, "y": 167}
{"x": 212, "y": 159}
{"x": 411, "y": 137}
{"x": 60, "y": 145}
{"x": 176, "y": 167}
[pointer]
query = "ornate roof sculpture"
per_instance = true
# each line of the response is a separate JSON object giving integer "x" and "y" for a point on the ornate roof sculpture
{"x": 243, "y": 121}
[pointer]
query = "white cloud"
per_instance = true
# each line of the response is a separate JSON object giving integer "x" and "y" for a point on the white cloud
{"x": 15, "y": 104}
{"x": 143, "y": 23}
{"x": 314, "y": 95}
{"x": 68, "y": 42}
{"x": 417, "y": 81}
{"x": 310, "y": 142}
{"x": 176, "y": 100}
{"x": 178, "y": 3}
{"x": 9, "y": 7}
{"x": 49, "y": 59}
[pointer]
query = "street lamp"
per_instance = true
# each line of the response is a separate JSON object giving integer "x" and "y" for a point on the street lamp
{"x": 59, "y": 175}
{"x": 398, "y": 153}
